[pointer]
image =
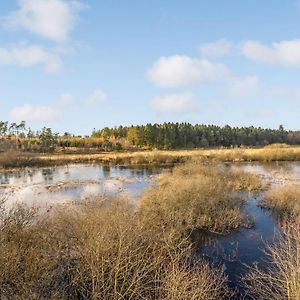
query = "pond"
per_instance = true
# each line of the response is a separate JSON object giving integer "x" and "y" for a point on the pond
{"x": 242, "y": 248}
{"x": 47, "y": 186}
{"x": 56, "y": 185}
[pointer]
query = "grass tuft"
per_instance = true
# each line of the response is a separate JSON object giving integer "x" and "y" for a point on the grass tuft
{"x": 197, "y": 195}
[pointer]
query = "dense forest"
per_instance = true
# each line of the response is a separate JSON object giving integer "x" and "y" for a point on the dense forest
{"x": 150, "y": 136}
{"x": 185, "y": 135}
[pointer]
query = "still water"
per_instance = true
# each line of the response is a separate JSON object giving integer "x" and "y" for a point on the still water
{"x": 56, "y": 185}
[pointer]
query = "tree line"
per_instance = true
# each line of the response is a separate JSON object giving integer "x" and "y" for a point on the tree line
{"x": 150, "y": 136}
{"x": 24, "y": 138}
{"x": 186, "y": 135}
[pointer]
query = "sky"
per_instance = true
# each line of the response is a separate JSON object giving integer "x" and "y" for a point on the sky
{"x": 76, "y": 65}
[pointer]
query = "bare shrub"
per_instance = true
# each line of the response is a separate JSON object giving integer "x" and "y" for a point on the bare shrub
{"x": 101, "y": 250}
{"x": 281, "y": 281}
{"x": 201, "y": 282}
{"x": 198, "y": 195}
{"x": 285, "y": 201}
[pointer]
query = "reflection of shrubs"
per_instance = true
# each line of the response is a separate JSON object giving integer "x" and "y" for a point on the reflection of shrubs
{"x": 100, "y": 250}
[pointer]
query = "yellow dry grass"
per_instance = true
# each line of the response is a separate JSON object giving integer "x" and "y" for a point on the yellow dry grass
{"x": 267, "y": 154}
{"x": 198, "y": 195}
{"x": 285, "y": 201}
{"x": 274, "y": 153}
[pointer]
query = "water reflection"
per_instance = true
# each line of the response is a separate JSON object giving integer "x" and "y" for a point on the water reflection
{"x": 65, "y": 183}
{"x": 106, "y": 171}
{"x": 242, "y": 248}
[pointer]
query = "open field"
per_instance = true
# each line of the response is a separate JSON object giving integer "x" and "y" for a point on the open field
{"x": 267, "y": 154}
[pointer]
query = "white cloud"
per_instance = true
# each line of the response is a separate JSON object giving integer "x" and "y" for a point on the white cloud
{"x": 174, "y": 103}
{"x": 244, "y": 87}
{"x": 97, "y": 97}
{"x": 180, "y": 70}
{"x": 34, "y": 113}
{"x": 54, "y": 110}
{"x": 30, "y": 55}
{"x": 218, "y": 48}
{"x": 282, "y": 93}
{"x": 65, "y": 100}
{"x": 285, "y": 53}
{"x": 50, "y": 19}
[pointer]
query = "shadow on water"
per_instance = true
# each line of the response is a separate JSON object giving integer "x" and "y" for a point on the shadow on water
{"x": 242, "y": 248}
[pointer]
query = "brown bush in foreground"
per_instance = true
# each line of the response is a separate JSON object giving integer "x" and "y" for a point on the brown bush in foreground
{"x": 113, "y": 249}
{"x": 99, "y": 250}
{"x": 281, "y": 281}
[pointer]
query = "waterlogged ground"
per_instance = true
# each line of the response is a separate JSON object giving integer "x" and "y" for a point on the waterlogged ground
{"x": 52, "y": 185}
{"x": 242, "y": 248}
{"x": 55, "y": 185}
{"x": 275, "y": 173}
{"x": 49, "y": 186}
{"x": 246, "y": 246}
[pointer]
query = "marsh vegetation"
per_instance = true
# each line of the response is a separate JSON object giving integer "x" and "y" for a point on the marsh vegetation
{"x": 16, "y": 159}
{"x": 119, "y": 248}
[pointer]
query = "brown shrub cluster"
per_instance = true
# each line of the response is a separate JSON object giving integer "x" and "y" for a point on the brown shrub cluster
{"x": 198, "y": 195}
{"x": 99, "y": 250}
{"x": 281, "y": 280}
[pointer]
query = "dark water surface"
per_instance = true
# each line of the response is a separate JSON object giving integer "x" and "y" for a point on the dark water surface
{"x": 244, "y": 247}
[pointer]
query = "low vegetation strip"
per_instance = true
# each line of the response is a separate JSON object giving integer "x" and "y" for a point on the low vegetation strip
{"x": 15, "y": 159}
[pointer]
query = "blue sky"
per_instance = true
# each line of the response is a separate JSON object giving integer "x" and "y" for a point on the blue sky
{"x": 79, "y": 65}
